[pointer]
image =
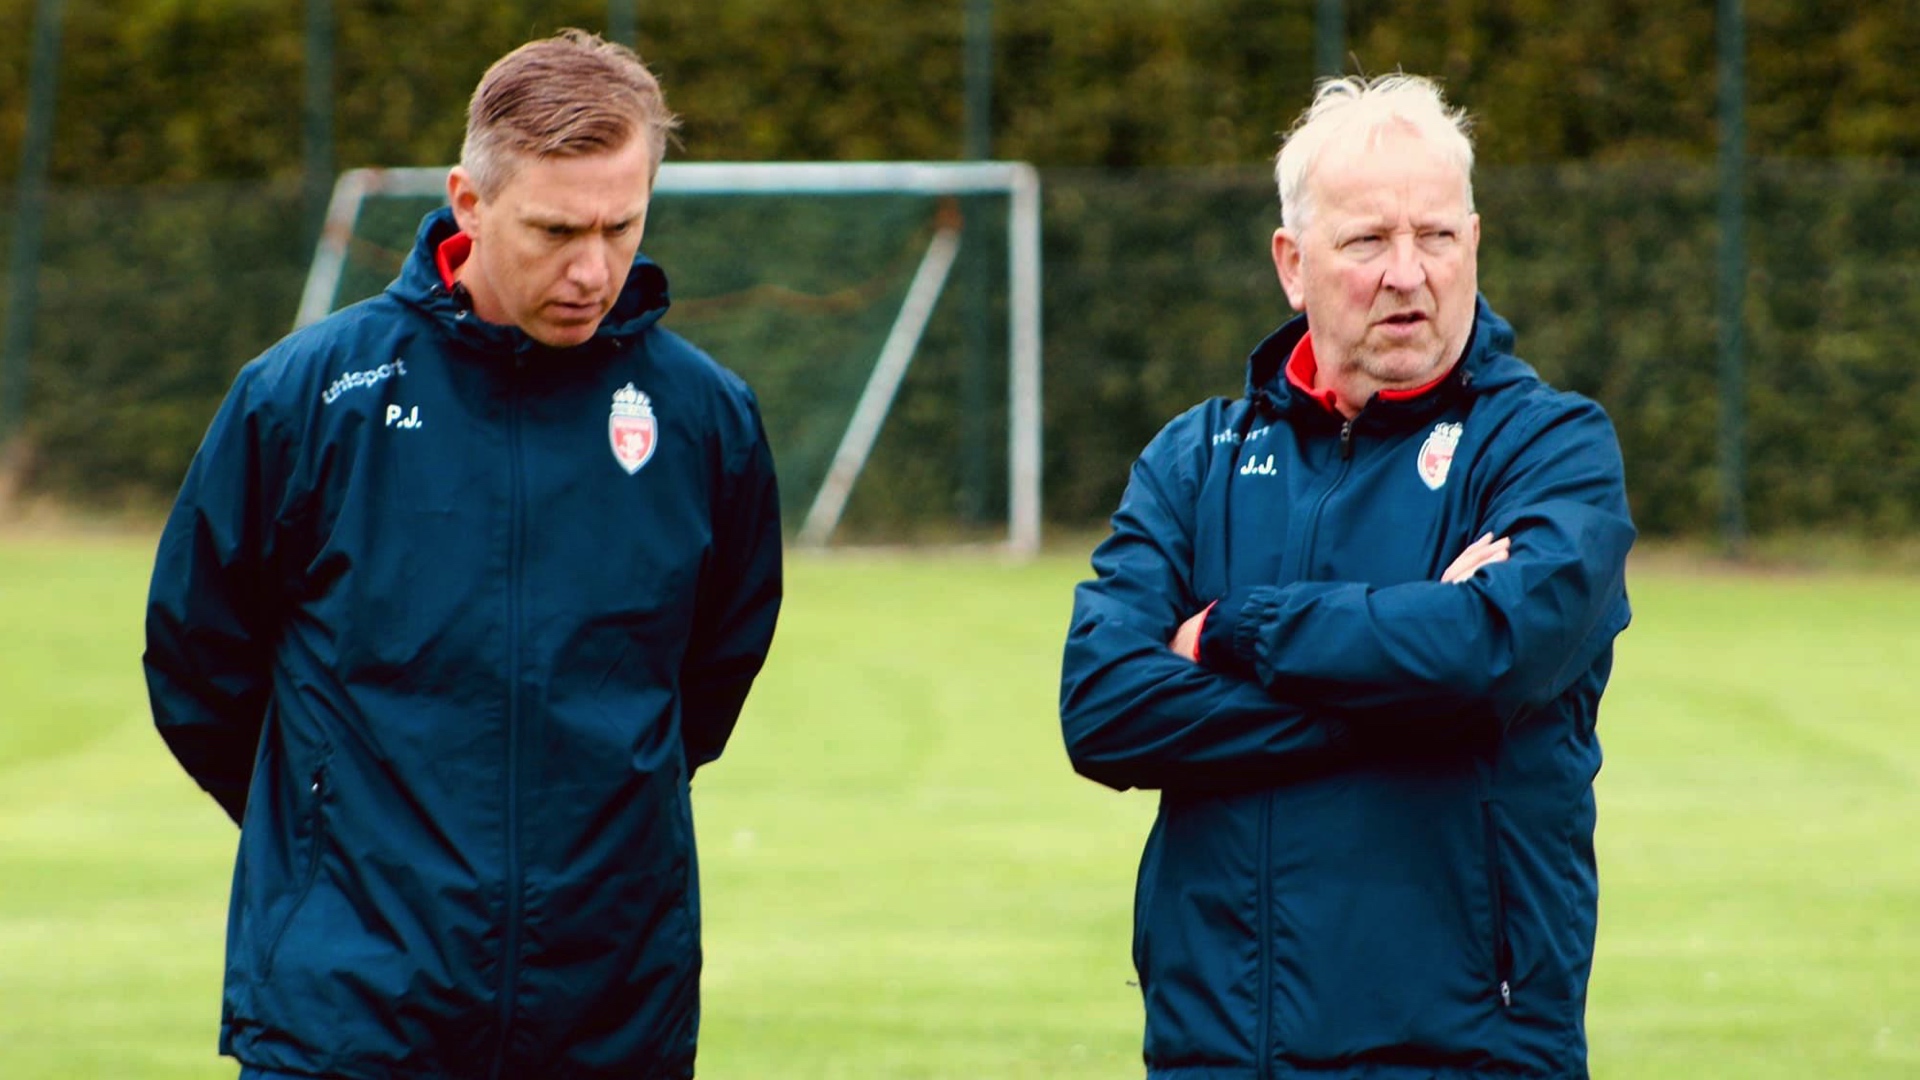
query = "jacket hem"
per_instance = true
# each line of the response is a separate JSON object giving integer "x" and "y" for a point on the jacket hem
{"x": 255, "y": 1072}
{"x": 1352, "y": 1073}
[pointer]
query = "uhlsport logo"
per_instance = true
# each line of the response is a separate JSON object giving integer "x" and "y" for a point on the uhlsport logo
{"x": 632, "y": 428}
{"x": 356, "y": 380}
{"x": 1436, "y": 455}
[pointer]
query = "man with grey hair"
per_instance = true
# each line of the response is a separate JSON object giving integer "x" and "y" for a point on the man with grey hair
{"x": 1354, "y": 628}
{"x": 463, "y": 585}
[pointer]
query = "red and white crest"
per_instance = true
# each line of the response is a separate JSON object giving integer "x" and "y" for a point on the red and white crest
{"x": 1436, "y": 455}
{"x": 632, "y": 429}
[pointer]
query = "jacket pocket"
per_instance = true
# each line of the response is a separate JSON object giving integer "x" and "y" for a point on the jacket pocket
{"x": 1196, "y": 931}
{"x": 1143, "y": 892}
{"x": 317, "y": 788}
{"x": 1497, "y": 908}
{"x": 686, "y": 865}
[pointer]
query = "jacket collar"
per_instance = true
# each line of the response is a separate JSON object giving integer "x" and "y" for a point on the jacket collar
{"x": 1485, "y": 364}
{"x": 643, "y": 299}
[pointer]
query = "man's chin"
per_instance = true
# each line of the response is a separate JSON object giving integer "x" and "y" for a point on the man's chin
{"x": 563, "y": 335}
{"x": 1404, "y": 370}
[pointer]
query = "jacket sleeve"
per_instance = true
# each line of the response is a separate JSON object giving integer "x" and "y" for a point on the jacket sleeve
{"x": 211, "y": 618}
{"x": 1133, "y": 713}
{"x": 739, "y": 601}
{"x": 1511, "y": 638}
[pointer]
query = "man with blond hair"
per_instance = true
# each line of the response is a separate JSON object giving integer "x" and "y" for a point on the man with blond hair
{"x": 1354, "y": 627}
{"x": 463, "y": 585}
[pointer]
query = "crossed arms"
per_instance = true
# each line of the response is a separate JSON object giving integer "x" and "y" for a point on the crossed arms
{"x": 1292, "y": 678}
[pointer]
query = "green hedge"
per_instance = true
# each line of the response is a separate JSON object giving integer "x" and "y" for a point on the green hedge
{"x": 1157, "y": 284}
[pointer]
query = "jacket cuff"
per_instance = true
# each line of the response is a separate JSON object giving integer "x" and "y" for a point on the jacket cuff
{"x": 1226, "y": 635}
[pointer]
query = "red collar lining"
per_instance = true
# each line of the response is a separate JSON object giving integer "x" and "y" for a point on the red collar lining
{"x": 1303, "y": 367}
{"x": 451, "y": 254}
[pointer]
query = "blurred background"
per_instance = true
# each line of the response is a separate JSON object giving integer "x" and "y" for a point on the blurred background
{"x": 1705, "y": 215}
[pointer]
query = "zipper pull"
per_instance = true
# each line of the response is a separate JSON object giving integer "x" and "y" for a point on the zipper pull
{"x": 1506, "y": 995}
{"x": 1346, "y": 440}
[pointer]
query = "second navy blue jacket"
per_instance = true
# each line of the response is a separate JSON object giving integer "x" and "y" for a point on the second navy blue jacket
{"x": 447, "y": 619}
{"x": 1373, "y": 857}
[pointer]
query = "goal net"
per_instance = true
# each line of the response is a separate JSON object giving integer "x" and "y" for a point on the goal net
{"x": 887, "y": 315}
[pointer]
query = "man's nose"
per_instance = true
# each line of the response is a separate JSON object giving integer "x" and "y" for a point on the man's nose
{"x": 589, "y": 268}
{"x": 1404, "y": 271}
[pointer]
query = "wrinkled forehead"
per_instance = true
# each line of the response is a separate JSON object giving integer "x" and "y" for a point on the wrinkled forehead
{"x": 1390, "y": 163}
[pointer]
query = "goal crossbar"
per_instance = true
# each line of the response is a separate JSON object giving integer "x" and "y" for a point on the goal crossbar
{"x": 1016, "y": 180}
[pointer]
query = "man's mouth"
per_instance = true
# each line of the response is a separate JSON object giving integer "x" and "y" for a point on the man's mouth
{"x": 576, "y": 310}
{"x": 1405, "y": 318}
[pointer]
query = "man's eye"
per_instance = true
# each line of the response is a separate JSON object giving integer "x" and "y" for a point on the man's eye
{"x": 558, "y": 232}
{"x": 619, "y": 228}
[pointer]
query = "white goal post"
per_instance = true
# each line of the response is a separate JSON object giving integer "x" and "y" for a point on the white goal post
{"x": 1016, "y": 180}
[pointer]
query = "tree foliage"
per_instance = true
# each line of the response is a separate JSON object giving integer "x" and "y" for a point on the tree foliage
{"x": 191, "y": 90}
{"x": 175, "y": 247}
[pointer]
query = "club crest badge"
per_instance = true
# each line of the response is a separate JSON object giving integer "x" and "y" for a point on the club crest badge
{"x": 632, "y": 429}
{"x": 1436, "y": 455}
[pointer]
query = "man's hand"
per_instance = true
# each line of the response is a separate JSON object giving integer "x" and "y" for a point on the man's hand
{"x": 1482, "y": 552}
{"x": 1186, "y": 640}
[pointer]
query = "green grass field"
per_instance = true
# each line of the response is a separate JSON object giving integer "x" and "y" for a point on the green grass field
{"x": 904, "y": 879}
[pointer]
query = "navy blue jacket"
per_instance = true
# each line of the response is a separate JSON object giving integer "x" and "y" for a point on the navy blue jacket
{"x": 451, "y": 661}
{"x": 1374, "y": 850}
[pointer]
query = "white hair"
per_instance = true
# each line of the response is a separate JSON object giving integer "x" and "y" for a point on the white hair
{"x": 1356, "y": 109}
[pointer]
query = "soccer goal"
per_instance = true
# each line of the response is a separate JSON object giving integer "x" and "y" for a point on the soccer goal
{"x": 821, "y": 283}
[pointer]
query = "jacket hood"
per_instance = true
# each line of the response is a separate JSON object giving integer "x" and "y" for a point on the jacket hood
{"x": 643, "y": 299}
{"x": 1487, "y": 363}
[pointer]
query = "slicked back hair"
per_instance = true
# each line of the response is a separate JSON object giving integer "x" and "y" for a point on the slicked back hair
{"x": 570, "y": 95}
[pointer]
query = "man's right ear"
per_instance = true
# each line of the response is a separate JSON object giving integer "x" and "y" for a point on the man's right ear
{"x": 1286, "y": 263}
{"x": 464, "y": 196}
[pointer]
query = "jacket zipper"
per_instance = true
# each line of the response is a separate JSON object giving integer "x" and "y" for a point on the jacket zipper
{"x": 1267, "y": 1051}
{"x": 1265, "y": 891}
{"x": 510, "y": 960}
{"x": 1313, "y": 522}
{"x": 1502, "y": 951}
